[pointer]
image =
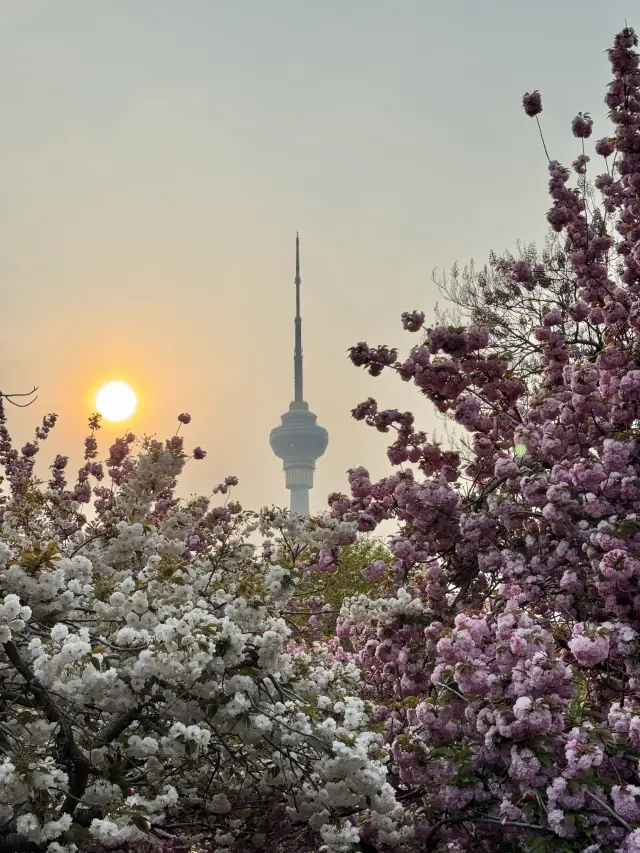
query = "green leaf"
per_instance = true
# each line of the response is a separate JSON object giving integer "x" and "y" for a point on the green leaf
{"x": 80, "y": 835}
{"x": 223, "y": 646}
{"x": 140, "y": 821}
{"x": 248, "y": 670}
{"x": 114, "y": 772}
{"x": 540, "y": 843}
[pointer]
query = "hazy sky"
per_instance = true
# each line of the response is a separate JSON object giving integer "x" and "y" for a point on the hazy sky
{"x": 156, "y": 159}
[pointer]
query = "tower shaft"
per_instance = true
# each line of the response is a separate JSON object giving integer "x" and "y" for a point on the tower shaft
{"x": 299, "y": 501}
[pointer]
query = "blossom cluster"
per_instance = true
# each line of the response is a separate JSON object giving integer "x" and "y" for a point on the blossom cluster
{"x": 501, "y": 656}
{"x": 151, "y": 691}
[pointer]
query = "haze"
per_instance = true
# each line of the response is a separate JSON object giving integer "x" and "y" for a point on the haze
{"x": 157, "y": 158}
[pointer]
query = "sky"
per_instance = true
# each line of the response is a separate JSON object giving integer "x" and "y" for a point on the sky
{"x": 157, "y": 159}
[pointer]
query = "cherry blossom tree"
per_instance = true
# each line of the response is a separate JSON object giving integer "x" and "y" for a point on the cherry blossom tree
{"x": 502, "y": 659}
{"x": 151, "y": 696}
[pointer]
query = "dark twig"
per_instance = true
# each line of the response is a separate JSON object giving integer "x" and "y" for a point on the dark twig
{"x": 10, "y": 398}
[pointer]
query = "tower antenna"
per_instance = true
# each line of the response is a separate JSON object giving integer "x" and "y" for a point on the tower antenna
{"x": 297, "y": 356}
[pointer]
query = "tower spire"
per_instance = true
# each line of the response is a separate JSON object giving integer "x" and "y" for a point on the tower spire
{"x": 297, "y": 358}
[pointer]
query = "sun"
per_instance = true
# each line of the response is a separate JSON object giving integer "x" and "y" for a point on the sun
{"x": 116, "y": 401}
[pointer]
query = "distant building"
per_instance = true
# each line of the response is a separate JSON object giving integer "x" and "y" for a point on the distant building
{"x": 298, "y": 441}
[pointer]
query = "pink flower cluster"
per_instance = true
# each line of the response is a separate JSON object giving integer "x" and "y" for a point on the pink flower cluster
{"x": 503, "y": 656}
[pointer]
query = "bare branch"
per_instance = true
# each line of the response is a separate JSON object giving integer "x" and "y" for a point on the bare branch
{"x": 10, "y": 398}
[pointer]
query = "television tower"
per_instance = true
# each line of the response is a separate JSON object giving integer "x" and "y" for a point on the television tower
{"x": 298, "y": 441}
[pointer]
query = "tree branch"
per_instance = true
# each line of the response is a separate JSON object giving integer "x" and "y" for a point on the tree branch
{"x": 610, "y": 811}
{"x": 10, "y": 398}
{"x": 14, "y": 843}
{"x": 114, "y": 729}
{"x": 75, "y": 762}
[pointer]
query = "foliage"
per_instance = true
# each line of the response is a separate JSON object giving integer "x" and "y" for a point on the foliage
{"x": 328, "y": 590}
{"x": 350, "y": 578}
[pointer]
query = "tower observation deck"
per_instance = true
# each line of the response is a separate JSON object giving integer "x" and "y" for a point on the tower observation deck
{"x": 298, "y": 440}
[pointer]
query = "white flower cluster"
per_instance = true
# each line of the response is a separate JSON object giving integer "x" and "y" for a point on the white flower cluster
{"x": 12, "y": 617}
{"x": 279, "y": 582}
{"x": 364, "y": 609}
{"x": 136, "y": 663}
{"x": 325, "y": 532}
{"x": 347, "y": 775}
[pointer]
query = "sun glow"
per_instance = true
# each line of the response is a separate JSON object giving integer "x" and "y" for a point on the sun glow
{"x": 116, "y": 401}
